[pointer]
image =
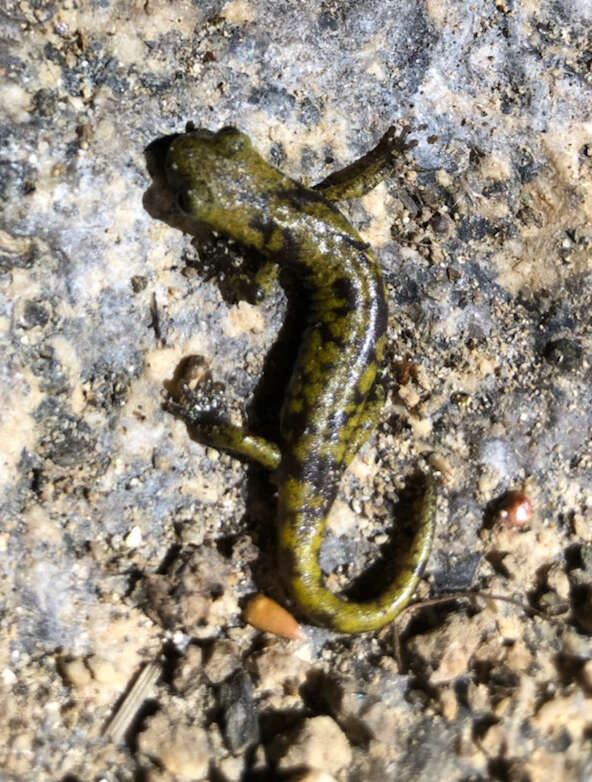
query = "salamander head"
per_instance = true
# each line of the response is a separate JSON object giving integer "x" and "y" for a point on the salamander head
{"x": 219, "y": 178}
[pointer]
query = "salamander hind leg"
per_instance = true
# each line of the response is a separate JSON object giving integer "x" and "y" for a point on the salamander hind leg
{"x": 199, "y": 401}
{"x": 254, "y": 288}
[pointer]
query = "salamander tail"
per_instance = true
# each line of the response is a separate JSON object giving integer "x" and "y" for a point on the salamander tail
{"x": 323, "y": 607}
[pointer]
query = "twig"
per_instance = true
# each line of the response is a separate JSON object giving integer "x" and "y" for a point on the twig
{"x": 120, "y": 721}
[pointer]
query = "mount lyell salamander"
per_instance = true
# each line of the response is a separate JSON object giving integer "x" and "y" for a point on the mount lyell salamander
{"x": 334, "y": 396}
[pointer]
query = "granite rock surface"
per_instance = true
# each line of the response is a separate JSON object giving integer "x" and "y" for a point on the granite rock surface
{"x": 123, "y": 541}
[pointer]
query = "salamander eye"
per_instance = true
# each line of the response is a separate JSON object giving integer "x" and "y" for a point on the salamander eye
{"x": 232, "y": 140}
{"x": 183, "y": 204}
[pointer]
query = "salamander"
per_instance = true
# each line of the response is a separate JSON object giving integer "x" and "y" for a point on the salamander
{"x": 335, "y": 393}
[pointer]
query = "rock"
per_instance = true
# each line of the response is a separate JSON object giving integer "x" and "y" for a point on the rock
{"x": 447, "y": 650}
{"x": 277, "y": 671}
{"x": 223, "y": 659}
{"x": 571, "y": 713}
{"x": 197, "y": 596}
{"x": 76, "y": 672}
{"x": 240, "y": 718}
{"x": 232, "y": 769}
{"x": 182, "y": 750}
{"x": 190, "y": 667}
{"x": 565, "y": 354}
{"x": 378, "y": 709}
{"x": 319, "y": 744}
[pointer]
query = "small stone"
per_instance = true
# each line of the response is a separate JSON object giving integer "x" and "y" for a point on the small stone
{"x": 511, "y": 628}
{"x": 276, "y": 671}
{"x": 582, "y": 528}
{"x": 448, "y": 703}
{"x": 198, "y": 596}
{"x": 519, "y": 657}
{"x": 558, "y": 581}
{"x": 576, "y": 644}
{"x": 182, "y": 750}
{"x": 104, "y": 671}
{"x": 76, "y": 672}
{"x": 232, "y": 768}
{"x": 441, "y": 225}
{"x": 139, "y": 283}
{"x": 409, "y": 396}
{"x": 493, "y": 740}
{"x": 422, "y": 427}
{"x": 243, "y": 318}
{"x": 570, "y": 713}
{"x": 190, "y": 668}
{"x": 318, "y": 744}
{"x": 45, "y": 102}
{"x": 8, "y": 677}
{"x": 134, "y": 538}
{"x": 477, "y": 698}
{"x": 241, "y": 721}
{"x": 449, "y": 649}
{"x": 387, "y": 725}
{"x": 223, "y": 661}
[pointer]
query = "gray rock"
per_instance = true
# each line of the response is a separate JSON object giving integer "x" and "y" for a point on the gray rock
{"x": 240, "y": 718}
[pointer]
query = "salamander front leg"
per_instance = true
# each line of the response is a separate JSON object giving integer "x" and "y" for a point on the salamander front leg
{"x": 364, "y": 174}
{"x": 253, "y": 287}
{"x": 199, "y": 401}
{"x": 266, "y": 279}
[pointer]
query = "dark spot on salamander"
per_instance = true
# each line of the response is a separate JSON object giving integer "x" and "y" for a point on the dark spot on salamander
{"x": 301, "y": 197}
{"x": 357, "y": 244}
{"x": 327, "y": 335}
{"x": 287, "y": 561}
{"x": 359, "y": 397}
{"x": 265, "y": 228}
{"x": 290, "y": 252}
{"x": 344, "y": 290}
{"x": 371, "y": 355}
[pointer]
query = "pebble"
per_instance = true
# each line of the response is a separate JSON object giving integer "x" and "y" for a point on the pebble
{"x": 76, "y": 672}
{"x": 182, "y": 750}
{"x": 241, "y": 722}
{"x": 223, "y": 660}
{"x": 565, "y": 354}
{"x": 8, "y": 677}
{"x": 134, "y": 538}
{"x": 320, "y": 744}
{"x": 276, "y": 670}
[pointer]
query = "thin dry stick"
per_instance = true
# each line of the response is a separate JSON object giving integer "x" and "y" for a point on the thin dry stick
{"x": 119, "y": 723}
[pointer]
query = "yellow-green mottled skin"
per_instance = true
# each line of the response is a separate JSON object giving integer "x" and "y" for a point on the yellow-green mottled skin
{"x": 333, "y": 398}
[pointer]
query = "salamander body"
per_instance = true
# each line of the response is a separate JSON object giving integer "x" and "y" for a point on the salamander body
{"x": 334, "y": 396}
